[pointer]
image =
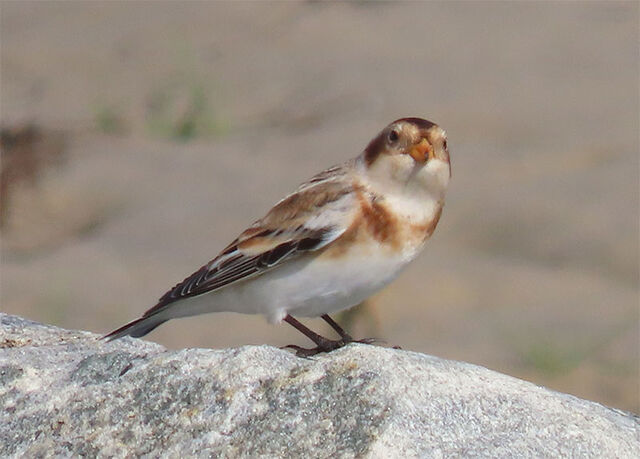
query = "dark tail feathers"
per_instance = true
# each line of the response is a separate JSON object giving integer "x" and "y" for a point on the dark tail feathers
{"x": 137, "y": 328}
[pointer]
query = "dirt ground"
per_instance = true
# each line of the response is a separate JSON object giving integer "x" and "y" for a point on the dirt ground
{"x": 160, "y": 130}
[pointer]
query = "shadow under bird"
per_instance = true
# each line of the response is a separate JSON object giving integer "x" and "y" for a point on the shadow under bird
{"x": 332, "y": 243}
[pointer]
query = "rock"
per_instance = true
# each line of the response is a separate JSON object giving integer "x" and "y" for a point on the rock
{"x": 68, "y": 393}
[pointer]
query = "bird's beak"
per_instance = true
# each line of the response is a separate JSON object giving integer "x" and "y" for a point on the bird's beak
{"x": 422, "y": 152}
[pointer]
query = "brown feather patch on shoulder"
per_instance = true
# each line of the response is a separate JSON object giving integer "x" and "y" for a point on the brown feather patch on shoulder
{"x": 380, "y": 223}
{"x": 300, "y": 204}
{"x": 373, "y": 221}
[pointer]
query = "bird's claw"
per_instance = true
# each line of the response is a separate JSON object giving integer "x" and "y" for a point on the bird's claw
{"x": 327, "y": 346}
{"x": 301, "y": 351}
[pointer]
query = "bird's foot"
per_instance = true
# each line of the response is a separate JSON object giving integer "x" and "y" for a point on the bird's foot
{"x": 327, "y": 346}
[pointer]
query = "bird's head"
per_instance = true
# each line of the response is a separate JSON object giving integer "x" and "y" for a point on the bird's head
{"x": 410, "y": 155}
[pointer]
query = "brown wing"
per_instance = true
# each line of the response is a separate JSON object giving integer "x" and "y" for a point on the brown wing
{"x": 307, "y": 220}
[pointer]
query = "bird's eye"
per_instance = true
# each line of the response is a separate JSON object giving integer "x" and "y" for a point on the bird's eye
{"x": 393, "y": 135}
{"x": 445, "y": 144}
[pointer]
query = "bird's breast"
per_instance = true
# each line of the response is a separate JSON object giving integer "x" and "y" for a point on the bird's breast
{"x": 387, "y": 228}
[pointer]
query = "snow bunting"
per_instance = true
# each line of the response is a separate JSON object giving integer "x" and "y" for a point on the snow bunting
{"x": 336, "y": 240}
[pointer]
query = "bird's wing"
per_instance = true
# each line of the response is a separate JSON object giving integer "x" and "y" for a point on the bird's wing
{"x": 318, "y": 213}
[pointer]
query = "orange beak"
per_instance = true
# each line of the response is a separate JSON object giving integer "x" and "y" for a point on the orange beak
{"x": 422, "y": 152}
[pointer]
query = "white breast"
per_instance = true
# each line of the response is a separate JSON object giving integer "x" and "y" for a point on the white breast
{"x": 324, "y": 286}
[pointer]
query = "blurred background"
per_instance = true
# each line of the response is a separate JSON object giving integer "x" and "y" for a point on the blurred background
{"x": 139, "y": 138}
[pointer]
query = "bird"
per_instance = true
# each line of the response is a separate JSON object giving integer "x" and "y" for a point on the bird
{"x": 337, "y": 239}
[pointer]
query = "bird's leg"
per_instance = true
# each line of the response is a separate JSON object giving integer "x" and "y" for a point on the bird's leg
{"x": 346, "y": 337}
{"x": 323, "y": 344}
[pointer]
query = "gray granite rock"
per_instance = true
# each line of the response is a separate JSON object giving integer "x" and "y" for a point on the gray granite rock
{"x": 67, "y": 393}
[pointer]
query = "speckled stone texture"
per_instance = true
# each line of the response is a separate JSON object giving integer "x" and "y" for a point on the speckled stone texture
{"x": 67, "y": 393}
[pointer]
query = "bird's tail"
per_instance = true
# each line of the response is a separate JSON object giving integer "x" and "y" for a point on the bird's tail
{"x": 137, "y": 328}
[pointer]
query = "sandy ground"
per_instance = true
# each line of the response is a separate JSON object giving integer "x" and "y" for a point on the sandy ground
{"x": 185, "y": 121}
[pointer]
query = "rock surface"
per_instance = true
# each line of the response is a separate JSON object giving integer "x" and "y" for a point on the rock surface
{"x": 68, "y": 393}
